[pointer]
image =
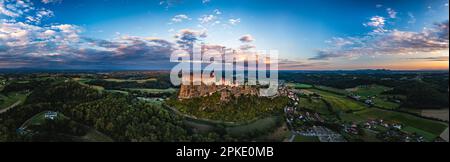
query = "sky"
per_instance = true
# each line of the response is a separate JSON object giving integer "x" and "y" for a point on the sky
{"x": 308, "y": 34}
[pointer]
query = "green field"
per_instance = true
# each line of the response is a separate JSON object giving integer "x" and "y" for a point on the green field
{"x": 82, "y": 80}
{"x": 429, "y": 129}
{"x": 10, "y": 99}
{"x": 428, "y": 136}
{"x": 117, "y": 91}
{"x": 375, "y": 91}
{"x": 306, "y": 139}
{"x": 98, "y": 88}
{"x": 316, "y": 105}
{"x": 332, "y": 90}
{"x": 299, "y": 85}
{"x": 382, "y": 103}
{"x": 154, "y": 101}
{"x": 339, "y": 102}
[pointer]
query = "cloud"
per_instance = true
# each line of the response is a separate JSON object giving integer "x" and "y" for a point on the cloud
{"x": 24, "y": 43}
{"x": 61, "y": 46}
{"x": 217, "y": 12}
{"x": 169, "y": 3}
{"x": 430, "y": 40}
{"x": 51, "y": 1}
{"x": 412, "y": 18}
{"x": 286, "y": 64}
{"x": 207, "y": 19}
{"x": 392, "y": 13}
{"x": 440, "y": 58}
{"x": 24, "y": 9}
{"x": 206, "y": 1}
{"x": 180, "y": 18}
{"x": 377, "y": 23}
{"x": 186, "y": 37}
{"x": 234, "y": 21}
{"x": 247, "y": 38}
{"x": 15, "y": 8}
{"x": 247, "y": 47}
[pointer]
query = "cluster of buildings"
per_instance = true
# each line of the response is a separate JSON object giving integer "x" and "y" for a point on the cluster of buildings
{"x": 225, "y": 91}
{"x": 351, "y": 129}
{"x": 368, "y": 101}
{"x": 51, "y": 115}
{"x": 373, "y": 124}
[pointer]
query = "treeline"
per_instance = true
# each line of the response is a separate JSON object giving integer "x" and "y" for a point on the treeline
{"x": 138, "y": 93}
{"x": 17, "y": 86}
{"x": 421, "y": 95}
{"x": 344, "y": 80}
{"x": 160, "y": 84}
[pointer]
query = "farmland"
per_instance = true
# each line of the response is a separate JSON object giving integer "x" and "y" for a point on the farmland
{"x": 348, "y": 110}
{"x": 339, "y": 102}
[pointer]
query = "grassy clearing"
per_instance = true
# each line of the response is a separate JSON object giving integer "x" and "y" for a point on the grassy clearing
{"x": 117, "y": 91}
{"x": 306, "y": 139}
{"x": 339, "y": 102}
{"x": 299, "y": 85}
{"x": 11, "y": 98}
{"x": 385, "y": 104}
{"x": 428, "y": 136}
{"x": 314, "y": 104}
{"x": 376, "y": 91}
{"x": 98, "y": 88}
{"x": 332, "y": 90}
{"x": 38, "y": 119}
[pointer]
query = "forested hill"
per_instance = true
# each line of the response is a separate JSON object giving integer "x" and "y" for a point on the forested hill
{"x": 112, "y": 114}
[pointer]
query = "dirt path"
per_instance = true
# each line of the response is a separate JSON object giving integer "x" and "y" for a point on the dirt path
{"x": 10, "y": 107}
{"x": 444, "y": 135}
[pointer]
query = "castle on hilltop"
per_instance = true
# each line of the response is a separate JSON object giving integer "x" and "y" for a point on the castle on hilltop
{"x": 209, "y": 86}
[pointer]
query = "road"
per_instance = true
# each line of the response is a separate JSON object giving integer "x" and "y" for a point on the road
{"x": 10, "y": 107}
{"x": 444, "y": 135}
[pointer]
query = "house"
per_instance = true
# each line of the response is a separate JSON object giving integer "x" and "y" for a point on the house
{"x": 369, "y": 102}
{"x": 51, "y": 115}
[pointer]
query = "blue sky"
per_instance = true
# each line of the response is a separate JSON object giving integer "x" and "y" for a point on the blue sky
{"x": 309, "y": 34}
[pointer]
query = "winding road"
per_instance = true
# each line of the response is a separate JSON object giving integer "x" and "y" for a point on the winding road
{"x": 10, "y": 107}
